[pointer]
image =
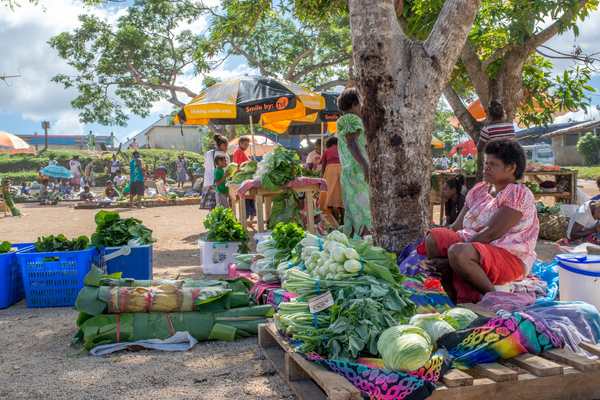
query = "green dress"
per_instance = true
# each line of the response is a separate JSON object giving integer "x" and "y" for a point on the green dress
{"x": 355, "y": 191}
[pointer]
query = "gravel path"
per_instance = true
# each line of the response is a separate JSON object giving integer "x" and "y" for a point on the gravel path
{"x": 34, "y": 360}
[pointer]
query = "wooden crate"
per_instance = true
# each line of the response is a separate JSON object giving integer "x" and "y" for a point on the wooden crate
{"x": 308, "y": 380}
{"x": 554, "y": 374}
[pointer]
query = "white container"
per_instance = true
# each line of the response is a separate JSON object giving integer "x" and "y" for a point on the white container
{"x": 579, "y": 278}
{"x": 216, "y": 256}
{"x": 261, "y": 237}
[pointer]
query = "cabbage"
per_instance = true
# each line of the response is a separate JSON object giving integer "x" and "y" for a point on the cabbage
{"x": 232, "y": 168}
{"x": 404, "y": 348}
{"x": 434, "y": 324}
{"x": 462, "y": 316}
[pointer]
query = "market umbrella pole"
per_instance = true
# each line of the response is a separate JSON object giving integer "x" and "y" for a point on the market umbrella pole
{"x": 252, "y": 133}
{"x": 322, "y": 143}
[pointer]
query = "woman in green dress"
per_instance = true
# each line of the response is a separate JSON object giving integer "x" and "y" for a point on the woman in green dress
{"x": 355, "y": 168}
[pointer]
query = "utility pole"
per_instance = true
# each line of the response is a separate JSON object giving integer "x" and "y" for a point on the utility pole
{"x": 45, "y": 127}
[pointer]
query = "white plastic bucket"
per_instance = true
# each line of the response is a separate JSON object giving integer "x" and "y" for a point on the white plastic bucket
{"x": 216, "y": 256}
{"x": 579, "y": 278}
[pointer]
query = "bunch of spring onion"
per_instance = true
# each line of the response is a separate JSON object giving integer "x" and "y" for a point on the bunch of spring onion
{"x": 278, "y": 249}
{"x": 335, "y": 258}
{"x": 294, "y": 318}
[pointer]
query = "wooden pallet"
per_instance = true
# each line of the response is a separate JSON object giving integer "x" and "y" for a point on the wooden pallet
{"x": 554, "y": 374}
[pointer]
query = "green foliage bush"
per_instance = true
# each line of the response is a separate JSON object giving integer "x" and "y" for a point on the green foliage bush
{"x": 25, "y": 167}
{"x": 588, "y": 146}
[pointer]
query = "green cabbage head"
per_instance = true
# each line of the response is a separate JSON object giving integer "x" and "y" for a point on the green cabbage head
{"x": 404, "y": 348}
{"x": 462, "y": 316}
{"x": 434, "y": 324}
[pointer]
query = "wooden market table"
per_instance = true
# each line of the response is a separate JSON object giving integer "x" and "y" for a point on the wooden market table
{"x": 568, "y": 197}
{"x": 264, "y": 199}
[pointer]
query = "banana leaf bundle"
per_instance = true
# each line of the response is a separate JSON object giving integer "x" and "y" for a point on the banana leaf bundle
{"x": 130, "y": 327}
{"x": 108, "y": 295}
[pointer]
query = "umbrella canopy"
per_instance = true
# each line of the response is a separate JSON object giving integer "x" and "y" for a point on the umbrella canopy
{"x": 261, "y": 144}
{"x": 467, "y": 148}
{"x": 478, "y": 112}
{"x": 437, "y": 143}
{"x": 56, "y": 171}
{"x": 244, "y": 99}
{"x": 12, "y": 144}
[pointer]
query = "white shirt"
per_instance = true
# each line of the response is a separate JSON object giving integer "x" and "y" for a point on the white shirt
{"x": 135, "y": 145}
{"x": 209, "y": 167}
{"x": 444, "y": 162}
{"x": 114, "y": 166}
{"x": 118, "y": 181}
{"x": 52, "y": 162}
{"x": 315, "y": 159}
{"x": 75, "y": 167}
{"x": 583, "y": 216}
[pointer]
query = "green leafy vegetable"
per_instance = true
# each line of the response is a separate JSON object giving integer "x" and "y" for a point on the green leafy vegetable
{"x": 404, "y": 348}
{"x": 287, "y": 236}
{"x": 462, "y": 316}
{"x": 223, "y": 227}
{"x": 544, "y": 209}
{"x": 435, "y": 325}
{"x": 112, "y": 231}
{"x": 5, "y": 247}
{"x": 285, "y": 208}
{"x": 284, "y": 166}
{"x": 53, "y": 243}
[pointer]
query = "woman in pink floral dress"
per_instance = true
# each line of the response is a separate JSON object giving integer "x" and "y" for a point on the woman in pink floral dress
{"x": 493, "y": 240}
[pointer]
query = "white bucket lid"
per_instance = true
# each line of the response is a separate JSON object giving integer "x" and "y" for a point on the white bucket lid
{"x": 581, "y": 262}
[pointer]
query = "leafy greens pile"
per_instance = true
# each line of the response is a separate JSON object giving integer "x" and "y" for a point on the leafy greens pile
{"x": 5, "y": 247}
{"x": 284, "y": 166}
{"x": 287, "y": 236}
{"x": 53, "y": 243}
{"x": 544, "y": 209}
{"x": 112, "y": 231}
{"x": 245, "y": 173}
{"x": 223, "y": 227}
{"x": 285, "y": 208}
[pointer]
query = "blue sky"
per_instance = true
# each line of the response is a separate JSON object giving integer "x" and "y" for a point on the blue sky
{"x": 33, "y": 98}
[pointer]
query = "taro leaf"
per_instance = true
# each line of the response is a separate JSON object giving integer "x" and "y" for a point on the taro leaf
{"x": 5, "y": 247}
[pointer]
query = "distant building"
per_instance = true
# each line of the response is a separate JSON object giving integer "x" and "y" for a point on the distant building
{"x": 162, "y": 135}
{"x": 564, "y": 141}
{"x": 63, "y": 142}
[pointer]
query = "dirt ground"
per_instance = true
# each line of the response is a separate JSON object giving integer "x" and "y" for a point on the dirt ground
{"x": 34, "y": 360}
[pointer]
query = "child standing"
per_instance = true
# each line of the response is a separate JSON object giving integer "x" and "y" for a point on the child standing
{"x": 44, "y": 190}
{"x": 222, "y": 193}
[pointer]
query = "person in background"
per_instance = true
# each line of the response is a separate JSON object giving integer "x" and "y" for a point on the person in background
{"x": 444, "y": 161}
{"x": 208, "y": 199}
{"x": 91, "y": 142}
{"x": 24, "y": 190}
{"x": 355, "y": 168}
{"x": 584, "y": 225}
{"x": 44, "y": 191}
{"x": 52, "y": 161}
{"x": 110, "y": 192}
{"x": 313, "y": 161}
{"x": 455, "y": 199}
{"x": 119, "y": 180}
{"x": 111, "y": 141}
{"x": 75, "y": 167}
{"x": 86, "y": 195}
{"x": 89, "y": 173}
{"x": 180, "y": 167}
{"x": 492, "y": 242}
{"x": 134, "y": 145}
{"x": 240, "y": 157}
{"x": 114, "y": 166}
{"x": 332, "y": 171}
{"x": 64, "y": 187}
{"x": 498, "y": 128}
{"x": 221, "y": 175}
{"x": 137, "y": 179}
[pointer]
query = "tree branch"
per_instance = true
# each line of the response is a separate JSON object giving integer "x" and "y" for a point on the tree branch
{"x": 302, "y": 56}
{"x": 469, "y": 123}
{"x": 322, "y": 64}
{"x": 251, "y": 59}
{"x": 496, "y": 55}
{"x": 552, "y": 30}
{"x": 452, "y": 26}
{"x": 330, "y": 84}
{"x": 475, "y": 68}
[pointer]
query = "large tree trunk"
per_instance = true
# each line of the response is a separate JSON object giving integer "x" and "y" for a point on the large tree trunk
{"x": 400, "y": 82}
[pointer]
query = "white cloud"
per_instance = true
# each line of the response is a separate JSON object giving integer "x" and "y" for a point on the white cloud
{"x": 68, "y": 124}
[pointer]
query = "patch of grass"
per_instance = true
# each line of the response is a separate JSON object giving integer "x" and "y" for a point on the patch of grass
{"x": 591, "y": 172}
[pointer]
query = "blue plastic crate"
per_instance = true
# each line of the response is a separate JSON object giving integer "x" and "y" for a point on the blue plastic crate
{"x": 55, "y": 279}
{"x": 137, "y": 265}
{"x": 11, "y": 280}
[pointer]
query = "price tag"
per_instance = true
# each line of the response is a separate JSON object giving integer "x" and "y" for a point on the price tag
{"x": 320, "y": 303}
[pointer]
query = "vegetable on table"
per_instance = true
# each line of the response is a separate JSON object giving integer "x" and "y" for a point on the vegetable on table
{"x": 282, "y": 166}
{"x": 436, "y": 325}
{"x": 404, "y": 348}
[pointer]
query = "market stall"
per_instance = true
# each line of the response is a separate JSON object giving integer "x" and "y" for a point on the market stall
{"x": 264, "y": 199}
{"x": 568, "y": 196}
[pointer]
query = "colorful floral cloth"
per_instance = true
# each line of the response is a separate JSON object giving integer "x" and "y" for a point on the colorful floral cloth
{"x": 521, "y": 239}
{"x": 355, "y": 190}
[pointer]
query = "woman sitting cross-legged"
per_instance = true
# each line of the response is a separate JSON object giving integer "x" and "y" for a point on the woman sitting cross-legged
{"x": 493, "y": 240}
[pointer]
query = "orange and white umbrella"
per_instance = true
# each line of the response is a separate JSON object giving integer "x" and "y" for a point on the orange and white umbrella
{"x": 260, "y": 145}
{"x": 12, "y": 144}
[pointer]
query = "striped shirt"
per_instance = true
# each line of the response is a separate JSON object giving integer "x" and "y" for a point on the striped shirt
{"x": 497, "y": 131}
